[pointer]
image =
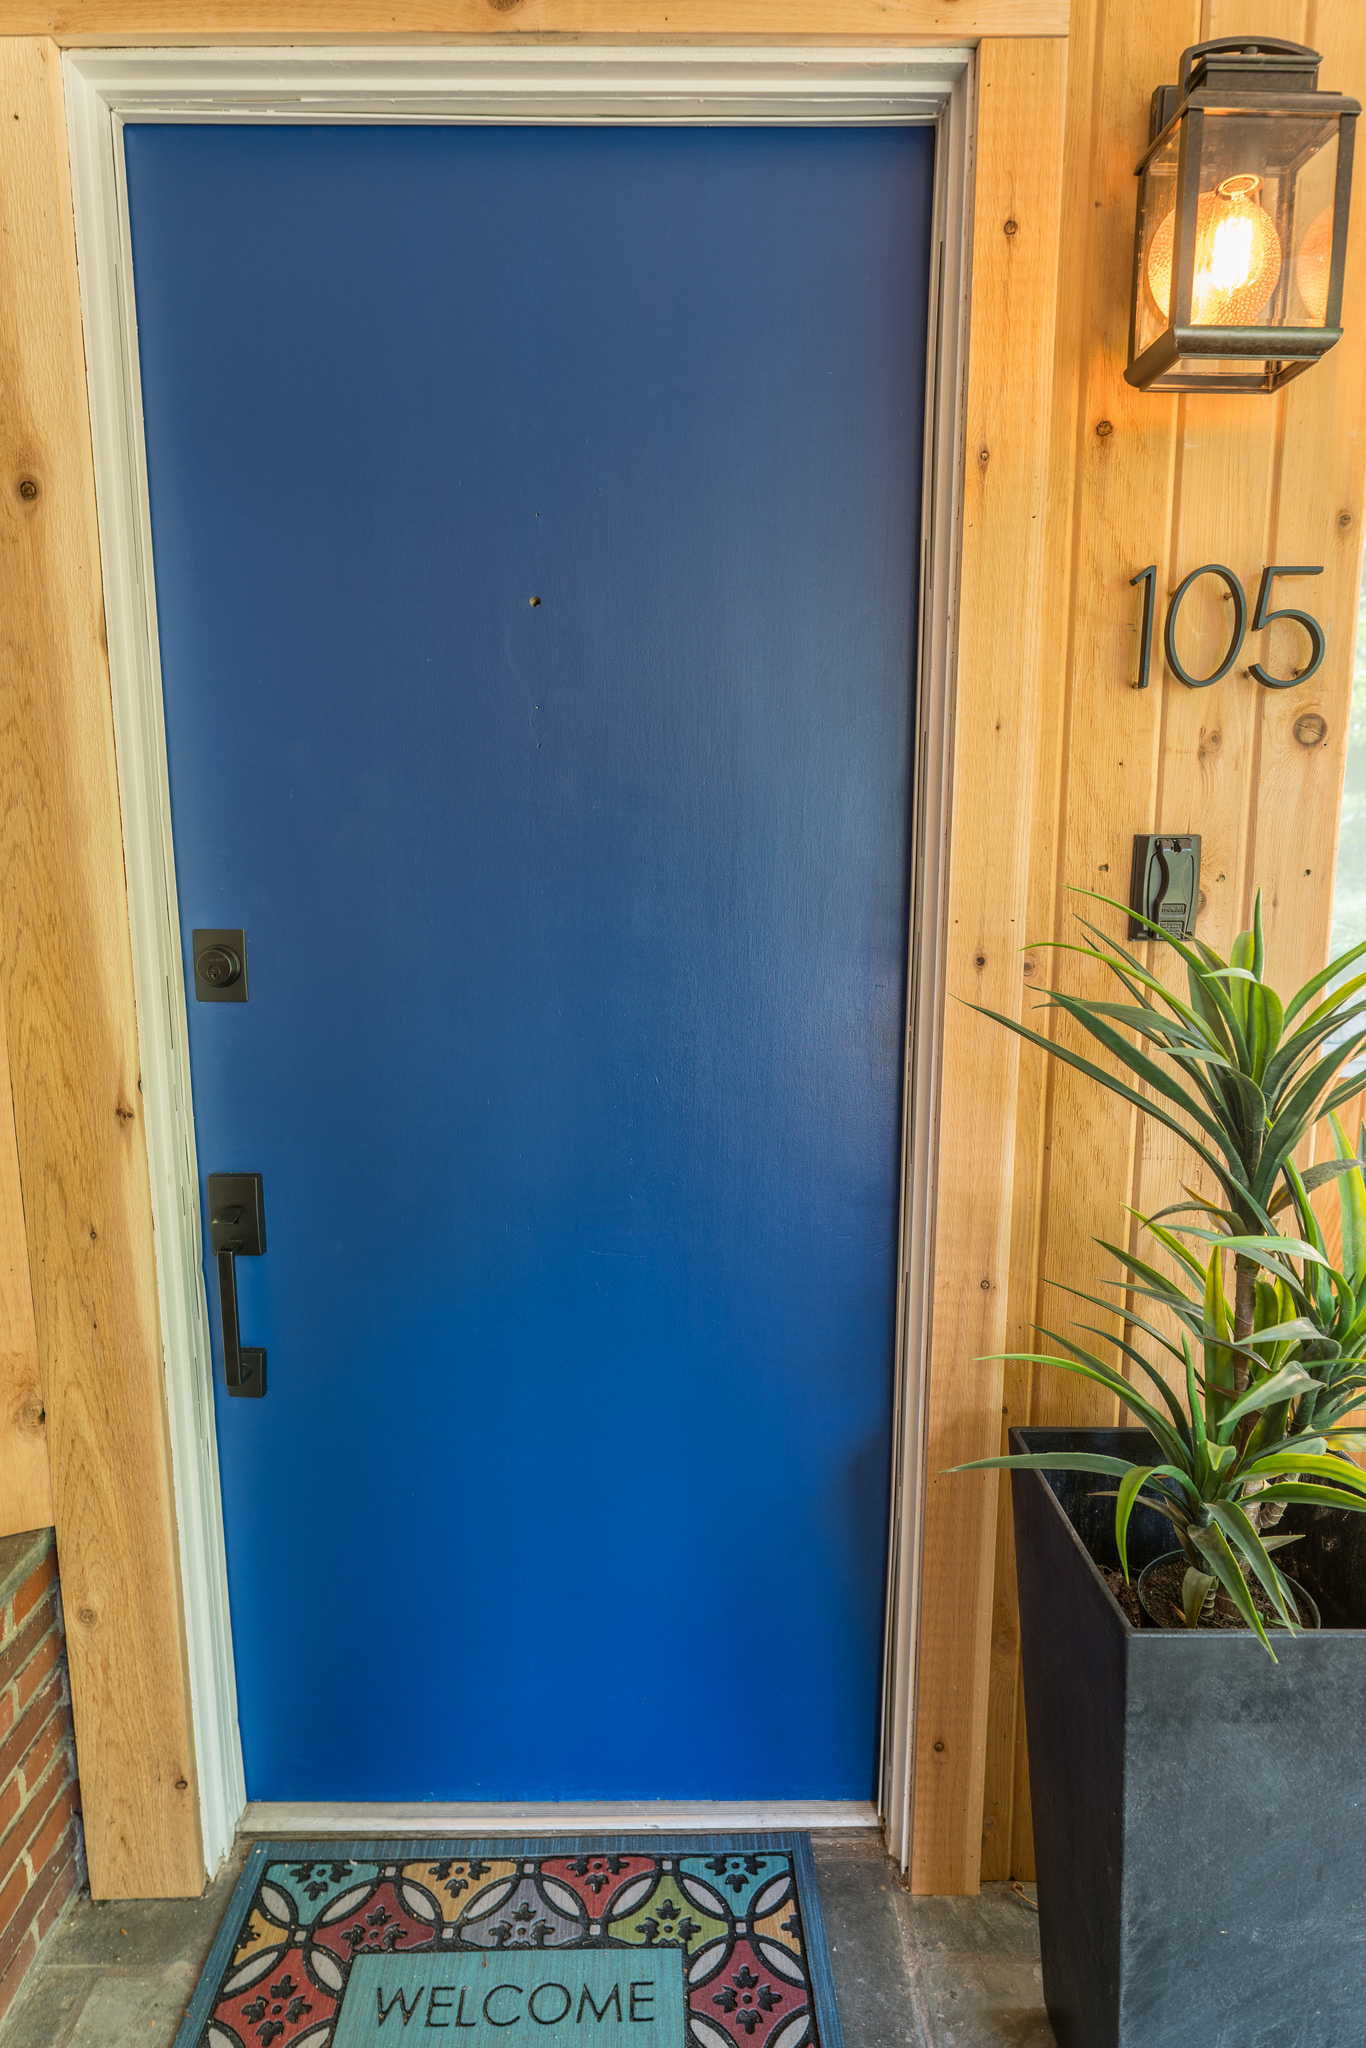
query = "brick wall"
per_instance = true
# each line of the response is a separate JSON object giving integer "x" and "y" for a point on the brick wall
{"x": 42, "y": 1854}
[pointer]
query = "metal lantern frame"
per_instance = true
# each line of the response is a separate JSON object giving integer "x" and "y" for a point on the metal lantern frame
{"x": 1220, "y": 70}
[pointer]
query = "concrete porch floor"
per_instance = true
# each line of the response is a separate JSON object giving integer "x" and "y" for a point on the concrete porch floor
{"x": 909, "y": 1973}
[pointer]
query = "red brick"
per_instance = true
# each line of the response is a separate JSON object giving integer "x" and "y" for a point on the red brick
{"x": 10, "y": 1803}
{"x": 55, "y": 1825}
{"x": 34, "y": 1587}
{"x": 67, "y": 1874}
{"x": 39, "y": 1892}
{"x": 33, "y": 1818}
{"x": 35, "y": 1671}
{"x": 43, "y": 1614}
{"x": 6, "y": 1711}
{"x": 19, "y": 1968}
{"x": 50, "y": 1738}
{"x": 31, "y": 1724}
{"x": 11, "y": 1897}
{"x": 21, "y": 1646}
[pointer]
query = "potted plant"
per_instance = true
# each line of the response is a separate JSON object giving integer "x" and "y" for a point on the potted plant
{"x": 1198, "y": 1786}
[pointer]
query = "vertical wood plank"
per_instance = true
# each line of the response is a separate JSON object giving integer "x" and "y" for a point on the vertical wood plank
{"x": 1297, "y": 794}
{"x": 1005, "y": 1710}
{"x": 25, "y": 1482}
{"x": 1123, "y": 454}
{"x": 1015, "y": 252}
{"x": 1126, "y": 462}
{"x": 66, "y": 976}
{"x": 1228, "y": 474}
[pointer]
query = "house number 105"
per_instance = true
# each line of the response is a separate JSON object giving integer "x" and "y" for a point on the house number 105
{"x": 1261, "y": 619}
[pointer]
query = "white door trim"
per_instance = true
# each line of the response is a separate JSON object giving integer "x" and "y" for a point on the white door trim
{"x": 565, "y": 84}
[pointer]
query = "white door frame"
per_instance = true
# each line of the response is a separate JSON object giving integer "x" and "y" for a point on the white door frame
{"x": 688, "y": 85}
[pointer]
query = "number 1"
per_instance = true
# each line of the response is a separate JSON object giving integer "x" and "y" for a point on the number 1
{"x": 1148, "y": 578}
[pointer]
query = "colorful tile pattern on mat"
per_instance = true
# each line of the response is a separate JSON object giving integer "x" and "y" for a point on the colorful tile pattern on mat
{"x": 736, "y": 1915}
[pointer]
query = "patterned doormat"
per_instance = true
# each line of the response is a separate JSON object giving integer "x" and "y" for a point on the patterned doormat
{"x": 689, "y": 1941}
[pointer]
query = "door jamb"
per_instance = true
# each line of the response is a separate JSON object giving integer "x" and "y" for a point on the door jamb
{"x": 679, "y": 84}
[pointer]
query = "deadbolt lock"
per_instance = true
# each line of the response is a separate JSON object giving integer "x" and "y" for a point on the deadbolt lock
{"x": 220, "y": 966}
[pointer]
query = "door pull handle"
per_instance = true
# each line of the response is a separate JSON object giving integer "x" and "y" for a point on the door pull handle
{"x": 237, "y": 1228}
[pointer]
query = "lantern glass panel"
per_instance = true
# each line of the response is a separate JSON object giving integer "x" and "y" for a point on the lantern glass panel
{"x": 1312, "y": 245}
{"x": 1157, "y": 215}
{"x": 1263, "y": 224}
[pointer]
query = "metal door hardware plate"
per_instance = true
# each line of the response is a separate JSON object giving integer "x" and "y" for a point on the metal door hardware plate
{"x": 220, "y": 966}
{"x": 1165, "y": 884}
{"x": 237, "y": 1228}
{"x": 237, "y": 1214}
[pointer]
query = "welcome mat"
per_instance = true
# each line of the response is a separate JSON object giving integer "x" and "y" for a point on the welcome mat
{"x": 689, "y": 1941}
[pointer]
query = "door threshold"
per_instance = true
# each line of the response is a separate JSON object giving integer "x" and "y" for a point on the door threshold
{"x": 309, "y": 1820}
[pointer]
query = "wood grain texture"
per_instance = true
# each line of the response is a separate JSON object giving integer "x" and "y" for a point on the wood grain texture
{"x": 66, "y": 977}
{"x": 1015, "y": 228}
{"x": 1126, "y": 449}
{"x": 95, "y": 22}
{"x": 25, "y": 1482}
{"x": 1180, "y": 482}
{"x": 1005, "y": 1709}
{"x": 1119, "y": 453}
{"x": 1317, "y": 516}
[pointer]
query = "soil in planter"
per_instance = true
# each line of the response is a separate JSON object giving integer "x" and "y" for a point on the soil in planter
{"x": 1165, "y": 1586}
{"x": 1126, "y": 1592}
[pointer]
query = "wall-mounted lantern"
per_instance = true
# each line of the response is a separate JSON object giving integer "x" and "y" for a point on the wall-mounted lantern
{"x": 1242, "y": 220}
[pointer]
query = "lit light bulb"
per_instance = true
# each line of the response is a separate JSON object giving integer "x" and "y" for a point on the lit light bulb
{"x": 1312, "y": 266}
{"x": 1230, "y": 256}
{"x": 1237, "y": 257}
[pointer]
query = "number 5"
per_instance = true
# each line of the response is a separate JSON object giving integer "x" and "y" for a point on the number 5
{"x": 1261, "y": 618}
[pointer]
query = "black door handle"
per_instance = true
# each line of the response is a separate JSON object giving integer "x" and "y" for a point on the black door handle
{"x": 237, "y": 1226}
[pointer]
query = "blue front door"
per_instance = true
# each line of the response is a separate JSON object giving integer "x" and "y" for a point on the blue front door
{"x": 535, "y": 516}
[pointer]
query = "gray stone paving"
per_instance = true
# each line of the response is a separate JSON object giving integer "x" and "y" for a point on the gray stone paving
{"x": 926, "y": 1973}
{"x": 909, "y": 1973}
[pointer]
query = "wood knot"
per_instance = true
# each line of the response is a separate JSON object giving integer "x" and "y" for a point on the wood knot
{"x": 981, "y": 960}
{"x": 1344, "y": 519}
{"x": 1105, "y": 428}
{"x": 983, "y": 457}
{"x": 939, "y": 1748}
{"x": 1012, "y": 227}
{"x": 1311, "y": 729}
{"x": 124, "y": 1114}
{"x": 28, "y": 489}
{"x": 182, "y": 1784}
{"x": 86, "y": 1616}
{"x": 33, "y": 1415}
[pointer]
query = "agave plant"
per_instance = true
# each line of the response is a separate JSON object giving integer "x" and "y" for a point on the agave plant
{"x": 1225, "y": 1456}
{"x": 1305, "y": 1310}
{"x": 1284, "y": 1363}
{"x": 1249, "y": 1073}
{"x": 1333, "y": 1302}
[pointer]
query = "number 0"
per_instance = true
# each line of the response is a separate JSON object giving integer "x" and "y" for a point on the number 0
{"x": 1239, "y": 596}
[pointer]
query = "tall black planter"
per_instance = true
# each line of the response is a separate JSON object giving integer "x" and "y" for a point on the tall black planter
{"x": 1199, "y": 1812}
